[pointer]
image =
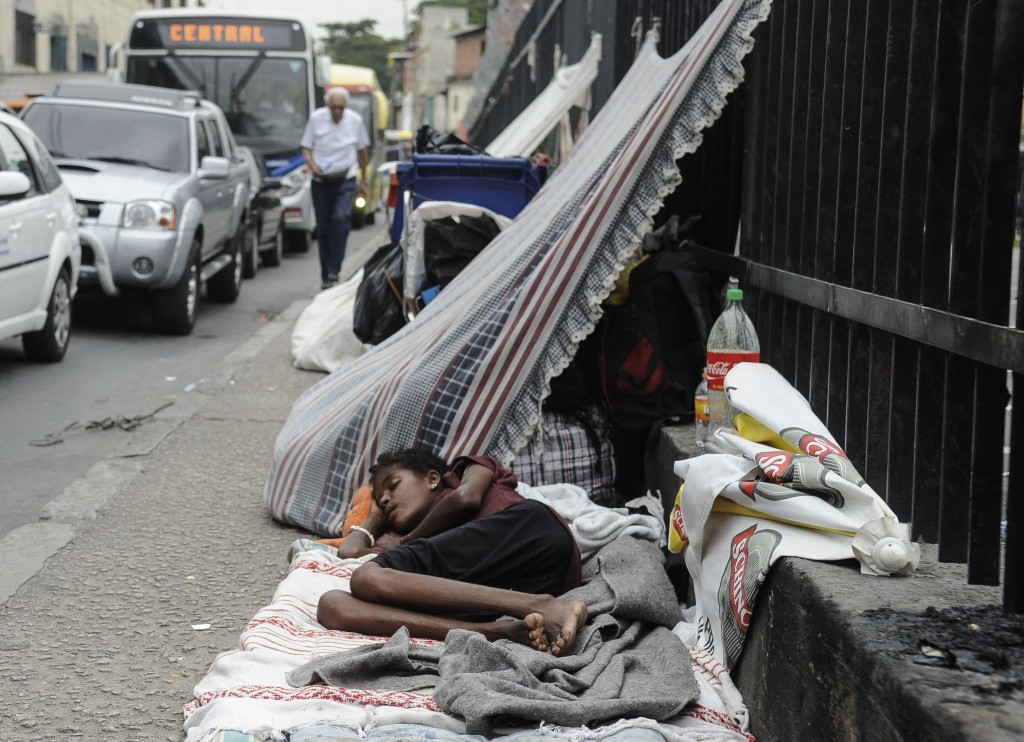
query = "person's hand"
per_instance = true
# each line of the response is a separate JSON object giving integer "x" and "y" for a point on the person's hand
{"x": 362, "y": 190}
{"x": 376, "y": 514}
{"x": 316, "y": 170}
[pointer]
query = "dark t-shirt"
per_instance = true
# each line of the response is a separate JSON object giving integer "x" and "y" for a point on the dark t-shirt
{"x": 484, "y": 546}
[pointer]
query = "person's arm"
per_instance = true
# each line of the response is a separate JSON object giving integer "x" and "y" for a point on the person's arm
{"x": 457, "y": 507}
{"x": 307, "y": 154}
{"x": 363, "y": 157}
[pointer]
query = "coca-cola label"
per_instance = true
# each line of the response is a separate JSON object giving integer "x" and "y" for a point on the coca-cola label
{"x": 720, "y": 362}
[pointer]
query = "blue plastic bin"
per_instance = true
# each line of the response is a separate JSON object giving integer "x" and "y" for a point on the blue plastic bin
{"x": 502, "y": 184}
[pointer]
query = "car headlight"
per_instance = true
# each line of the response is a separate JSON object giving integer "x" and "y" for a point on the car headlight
{"x": 293, "y": 181}
{"x": 150, "y": 215}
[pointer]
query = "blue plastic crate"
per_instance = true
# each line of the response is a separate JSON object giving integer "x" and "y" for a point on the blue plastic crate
{"x": 502, "y": 184}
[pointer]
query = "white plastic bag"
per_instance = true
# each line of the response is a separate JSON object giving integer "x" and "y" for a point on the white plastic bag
{"x": 322, "y": 339}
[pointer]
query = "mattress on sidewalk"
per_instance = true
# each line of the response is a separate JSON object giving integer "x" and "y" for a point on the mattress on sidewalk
{"x": 245, "y": 695}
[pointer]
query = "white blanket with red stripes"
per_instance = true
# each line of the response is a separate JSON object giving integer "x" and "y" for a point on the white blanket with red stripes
{"x": 245, "y": 688}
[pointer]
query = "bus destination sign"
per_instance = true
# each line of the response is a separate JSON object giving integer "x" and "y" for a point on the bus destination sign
{"x": 217, "y": 33}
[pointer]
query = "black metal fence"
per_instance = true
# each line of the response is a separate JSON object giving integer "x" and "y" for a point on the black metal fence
{"x": 869, "y": 166}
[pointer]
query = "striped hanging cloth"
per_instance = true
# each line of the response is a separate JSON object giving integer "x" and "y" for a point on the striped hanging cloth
{"x": 470, "y": 373}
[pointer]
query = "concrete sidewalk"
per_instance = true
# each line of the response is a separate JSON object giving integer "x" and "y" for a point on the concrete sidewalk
{"x": 97, "y": 640}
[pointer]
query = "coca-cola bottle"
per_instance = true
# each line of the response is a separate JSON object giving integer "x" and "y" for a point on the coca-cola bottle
{"x": 700, "y": 412}
{"x": 732, "y": 340}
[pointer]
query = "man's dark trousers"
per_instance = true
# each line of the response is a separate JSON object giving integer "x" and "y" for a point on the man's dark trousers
{"x": 333, "y": 206}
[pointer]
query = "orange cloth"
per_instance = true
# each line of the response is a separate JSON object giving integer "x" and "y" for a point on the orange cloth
{"x": 356, "y": 515}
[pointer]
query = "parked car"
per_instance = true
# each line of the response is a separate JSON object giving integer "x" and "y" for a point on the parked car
{"x": 39, "y": 249}
{"x": 264, "y": 239}
{"x": 164, "y": 187}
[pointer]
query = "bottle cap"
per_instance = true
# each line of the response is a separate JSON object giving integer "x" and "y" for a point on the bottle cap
{"x": 732, "y": 294}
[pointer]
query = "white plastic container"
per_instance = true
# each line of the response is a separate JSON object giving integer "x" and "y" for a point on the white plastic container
{"x": 732, "y": 340}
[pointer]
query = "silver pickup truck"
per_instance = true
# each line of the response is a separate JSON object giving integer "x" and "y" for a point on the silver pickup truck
{"x": 163, "y": 187}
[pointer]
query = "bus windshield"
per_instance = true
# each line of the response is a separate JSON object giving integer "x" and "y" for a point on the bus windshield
{"x": 264, "y": 98}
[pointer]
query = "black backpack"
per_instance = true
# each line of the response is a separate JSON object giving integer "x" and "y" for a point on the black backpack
{"x": 651, "y": 350}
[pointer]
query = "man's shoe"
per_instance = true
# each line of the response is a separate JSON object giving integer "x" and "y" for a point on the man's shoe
{"x": 330, "y": 281}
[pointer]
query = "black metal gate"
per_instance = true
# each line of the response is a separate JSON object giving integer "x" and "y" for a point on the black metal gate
{"x": 870, "y": 169}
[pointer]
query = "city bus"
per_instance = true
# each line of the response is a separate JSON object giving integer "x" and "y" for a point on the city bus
{"x": 262, "y": 70}
{"x": 366, "y": 98}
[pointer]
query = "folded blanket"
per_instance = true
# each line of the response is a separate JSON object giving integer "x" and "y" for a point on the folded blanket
{"x": 396, "y": 665}
{"x": 626, "y": 661}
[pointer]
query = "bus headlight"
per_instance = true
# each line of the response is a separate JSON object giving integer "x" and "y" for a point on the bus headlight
{"x": 360, "y": 202}
{"x": 150, "y": 215}
{"x": 293, "y": 181}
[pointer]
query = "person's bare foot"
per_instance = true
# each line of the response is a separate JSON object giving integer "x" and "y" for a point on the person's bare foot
{"x": 529, "y": 632}
{"x": 537, "y": 630}
{"x": 561, "y": 620}
{"x": 551, "y": 628}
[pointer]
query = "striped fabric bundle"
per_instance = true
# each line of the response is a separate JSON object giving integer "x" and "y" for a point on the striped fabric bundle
{"x": 471, "y": 372}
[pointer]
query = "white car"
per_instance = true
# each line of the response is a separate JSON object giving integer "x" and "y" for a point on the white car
{"x": 40, "y": 254}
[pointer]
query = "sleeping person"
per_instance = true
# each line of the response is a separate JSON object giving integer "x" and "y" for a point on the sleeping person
{"x": 458, "y": 548}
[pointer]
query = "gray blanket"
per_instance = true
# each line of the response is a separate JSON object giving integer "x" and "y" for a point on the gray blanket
{"x": 625, "y": 661}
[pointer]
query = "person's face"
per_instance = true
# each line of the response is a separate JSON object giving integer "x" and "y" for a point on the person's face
{"x": 404, "y": 496}
{"x": 337, "y": 109}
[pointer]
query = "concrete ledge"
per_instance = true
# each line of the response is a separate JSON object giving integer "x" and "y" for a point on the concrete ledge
{"x": 824, "y": 659}
{"x": 836, "y": 655}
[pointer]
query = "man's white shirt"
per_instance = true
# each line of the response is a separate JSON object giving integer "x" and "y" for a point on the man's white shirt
{"x": 334, "y": 146}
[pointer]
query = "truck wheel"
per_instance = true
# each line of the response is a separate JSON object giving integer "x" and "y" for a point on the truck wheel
{"x": 227, "y": 283}
{"x": 358, "y": 219}
{"x": 49, "y": 344}
{"x": 175, "y": 309}
{"x": 251, "y": 256}
{"x": 272, "y": 257}
{"x": 298, "y": 240}
{"x": 371, "y": 217}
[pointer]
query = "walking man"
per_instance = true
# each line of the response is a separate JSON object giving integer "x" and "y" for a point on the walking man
{"x": 335, "y": 145}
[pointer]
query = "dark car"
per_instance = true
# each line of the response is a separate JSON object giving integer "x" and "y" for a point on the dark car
{"x": 264, "y": 237}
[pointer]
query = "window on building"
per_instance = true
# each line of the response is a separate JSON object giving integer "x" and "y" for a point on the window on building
{"x": 24, "y": 38}
{"x": 58, "y": 53}
{"x": 88, "y": 52}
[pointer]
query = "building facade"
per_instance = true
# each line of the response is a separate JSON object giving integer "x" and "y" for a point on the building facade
{"x": 43, "y": 38}
{"x": 433, "y": 63}
{"x": 469, "y": 48}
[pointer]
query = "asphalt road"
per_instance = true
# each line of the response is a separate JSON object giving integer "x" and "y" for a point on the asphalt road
{"x": 118, "y": 368}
